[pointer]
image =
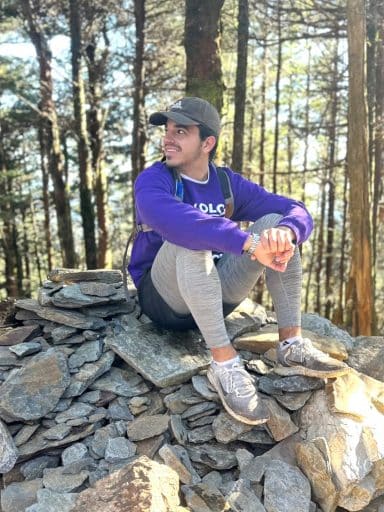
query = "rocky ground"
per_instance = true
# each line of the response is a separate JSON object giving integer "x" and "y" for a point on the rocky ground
{"x": 101, "y": 411}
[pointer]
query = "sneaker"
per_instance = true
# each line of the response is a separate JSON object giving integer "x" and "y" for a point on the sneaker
{"x": 300, "y": 357}
{"x": 238, "y": 394}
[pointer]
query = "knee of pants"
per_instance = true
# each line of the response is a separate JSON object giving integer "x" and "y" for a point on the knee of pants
{"x": 266, "y": 222}
{"x": 191, "y": 256}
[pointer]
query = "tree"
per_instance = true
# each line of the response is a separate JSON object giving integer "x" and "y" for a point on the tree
{"x": 359, "y": 291}
{"x": 202, "y": 48}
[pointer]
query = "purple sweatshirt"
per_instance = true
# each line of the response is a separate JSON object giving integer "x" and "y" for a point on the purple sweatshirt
{"x": 198, "y": 222}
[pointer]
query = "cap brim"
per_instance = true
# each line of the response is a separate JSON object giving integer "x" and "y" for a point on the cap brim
{"x": 160, "y": 118}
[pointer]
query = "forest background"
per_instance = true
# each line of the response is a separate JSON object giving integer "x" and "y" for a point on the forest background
{"x": 299, "y": 85}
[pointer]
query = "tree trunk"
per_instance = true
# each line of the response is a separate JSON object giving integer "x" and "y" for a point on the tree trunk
{"x": 320, "y": 250}
{"x": 202, "y": 47}
{"x": 96, "y": 121}
{"x": 329, "y": 255}
{"x": 45, "y": 192}
{"x": 139, "y": 136}
{"x": 241, "y": 86}
{"x": 277, "y": 99}
{"x": 31, "y": 13}
{"x": 86, "y": 204}
{"x": 359, "y": 292}
{"x": 263, "y": 108}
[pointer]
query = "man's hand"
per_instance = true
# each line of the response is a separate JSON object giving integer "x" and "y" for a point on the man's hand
{"x": 276, "y": 248}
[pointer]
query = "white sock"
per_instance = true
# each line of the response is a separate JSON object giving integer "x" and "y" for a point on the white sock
{"x": 229, "y": 363}
{"x": 288, "y": 341}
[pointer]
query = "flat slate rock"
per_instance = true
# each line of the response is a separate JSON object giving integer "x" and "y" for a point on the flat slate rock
{"x": 60, "y": 316}
{"x": 16, "y": 335}
{"x": 367, "y": 356}
{"x": 163, "y": 357}
{"x": 74, "y": 275}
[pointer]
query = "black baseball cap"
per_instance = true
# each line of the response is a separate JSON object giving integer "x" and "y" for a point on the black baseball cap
{"x": 189, "y": 111}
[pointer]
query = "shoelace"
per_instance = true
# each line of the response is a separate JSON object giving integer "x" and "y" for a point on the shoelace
{"x": 237, "y": 380}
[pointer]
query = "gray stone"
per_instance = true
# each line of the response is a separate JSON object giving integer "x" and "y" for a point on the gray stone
{"x": 63, "y": 404}
{"x": 15, "y": 335}
{"x": 367, "y": 356}
{"x": 98, "y": 289}
{"x": 293, "y": 401}
{"x": 51, "y": 501}
{"x": 77, "y": 410}
{"x": 202, "y": 386}
{"x": 34, "y": 468}
{"x": 178, "y": 459}
{"x": 8, "y": 450}
{"x": 280, "y": 424}
{"x": 87, "y": 353}
{"x": 203, "y": 498}
{"x": 121, "y": 382}
{"x": 74, "y": 453}
{"x": 201, "y": 434}
{"x": 17, "y": 496}
{"x": 243, "y": 457}
{"x": 57, "y": 432}
{"x": 144, "y": 427}
{"x": 258, "y": 435}
{"x": 7, "y": 358}
{"x": 88, "y": 374}
{"x": 324, "y": 327}
{"x": 76, "y": 339}
{"x": 110, "y": 310}
{"x": 35, "y": 389}
{"x": 226, "y": 429}
{"x": 25, "y": 433}
{"x": 119, "y": 449}
{"x": 293, "y": 384}
{"x": 39, "y": 443}
{"x": 99, "y": 441}
{"x": 56, "y": 480}
{"x": 285, "y": 488}
{"x": 178, "y": 429}
{"x": 25, "y": 349}
{"x": 72, "y": 297}
{"x": 118, "y": 410}
{"x": 177, "y": 402}
{"x": 242, "y": 499}
{"x": 182, "y": 354}
{"x": 60, "y": 316}
{"x": 199, "y": 410}
{"x": 238, "y": 323}
{"x": 70, "y": 275}
{"x": 213, "y": 456}
{"x": 213, "y": 479}
{"x": 61, "y": 333}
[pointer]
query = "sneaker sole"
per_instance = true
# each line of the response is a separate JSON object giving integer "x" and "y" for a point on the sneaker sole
{"x": 237, "y": 417}
{"x": 287, "y": 371}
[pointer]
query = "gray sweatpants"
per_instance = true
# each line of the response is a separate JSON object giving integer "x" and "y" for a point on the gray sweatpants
{"x": 190, "y": 282}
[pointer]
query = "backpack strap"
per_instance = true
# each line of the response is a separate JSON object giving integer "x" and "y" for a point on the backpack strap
{"x": 226, "y": 189}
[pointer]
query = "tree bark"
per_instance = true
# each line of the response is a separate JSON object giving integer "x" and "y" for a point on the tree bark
{"x": 241, "y": 85}
{"x": 86, "y": 204}
{"x": 202, "y": 47}
{"x": 277, "y": 99}
{"x": 32, "y": 14}
{"x": 359, "y": 292}
{"x": 45, "y": 191}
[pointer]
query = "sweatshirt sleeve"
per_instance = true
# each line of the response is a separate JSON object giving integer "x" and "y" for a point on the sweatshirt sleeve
{"x": 251, "y": 201}
{"x": 181, "y": 223}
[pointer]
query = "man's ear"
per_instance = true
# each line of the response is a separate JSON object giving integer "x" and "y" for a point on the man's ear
{"x": 209, "y": 143}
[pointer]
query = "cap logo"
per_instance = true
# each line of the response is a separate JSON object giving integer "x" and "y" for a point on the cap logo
{"x": 178, "y": 104}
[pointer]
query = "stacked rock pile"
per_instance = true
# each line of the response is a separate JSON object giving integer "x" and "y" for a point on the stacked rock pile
{"x": 102, "y": 411}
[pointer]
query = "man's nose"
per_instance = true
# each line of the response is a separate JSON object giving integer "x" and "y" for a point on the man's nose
{"x": 168, "y": 137}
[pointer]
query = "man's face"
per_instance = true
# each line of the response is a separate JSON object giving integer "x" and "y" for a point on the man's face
{"x": 183, "y": 147}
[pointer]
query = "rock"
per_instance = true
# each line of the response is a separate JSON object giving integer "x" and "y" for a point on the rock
{"x": 280, "y": 424}
{"x": 8, "y": 450}
{"x": 26, "y": 349}
{"x": 182, "y": 354}
{"x": 25, "y": 433}
{"x": 178, "y": 459}
{"x": 238, "y": 323}
{"x": 355, "y": 449}
{"x": 18, "y": 496}
{"x": 74, "y": 275}
{"x": 324, "y": 327}
{"x": 38, "y": 387}
{"x": 122, "y": 382}
{"x": 34, "y": 468}
{"x": 147, "y": 426}
{"x": 226, "y": 429}
{"x": 285, "y": 488}
{"x": 119, "y": 449}
{"x": 72, "y": 297}
{"x": 74, "y": 453}
{"x": 15, "y": 335}
{"x": 59, "y": 481}
{"x": 213, "y": 455}
{"x": 142, "y": 486}
{"x": 60, "y": 316}
{"x": 367, "y": 356}
{"x": 88, "y": 374}
{"x": 51, "y": 501}
{"x": 242, "y": 499}
{"x": 61, "y": 333}
{"x": 203, "y": 498}
{"x": 89, "y": 352}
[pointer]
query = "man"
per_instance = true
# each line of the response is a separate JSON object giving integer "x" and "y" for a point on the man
{"x": 192, "y": 265}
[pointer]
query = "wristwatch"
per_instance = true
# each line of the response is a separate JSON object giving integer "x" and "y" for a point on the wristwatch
{"x": 255, "y": 242}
